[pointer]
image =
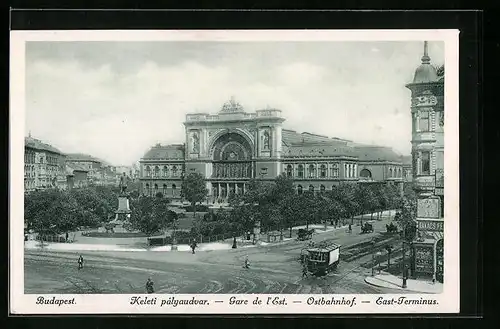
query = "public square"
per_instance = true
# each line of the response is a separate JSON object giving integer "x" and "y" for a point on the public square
{"x": 253, "y": 166}
{"x": 275, "y": 268}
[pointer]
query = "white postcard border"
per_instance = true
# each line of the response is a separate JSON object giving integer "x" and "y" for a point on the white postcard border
{"x": 20, "y": 303}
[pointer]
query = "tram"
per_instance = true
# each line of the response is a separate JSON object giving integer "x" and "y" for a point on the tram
{"x": 321, "y": 260}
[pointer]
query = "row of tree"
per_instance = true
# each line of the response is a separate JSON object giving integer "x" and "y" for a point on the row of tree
{"x": 277, "y": 205}
{"x": 54, "y": 211}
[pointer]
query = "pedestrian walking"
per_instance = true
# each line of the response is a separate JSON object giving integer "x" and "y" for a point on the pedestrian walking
{"x": 304, "y": 271}
{"x": 67, "y": 236}
{"x": 80, "y": 262}
{"x": 150, "y": 286}
{"x": 193, "y": 246}
{"x": 350, "y": 229}
{"x": 247, "y": 263}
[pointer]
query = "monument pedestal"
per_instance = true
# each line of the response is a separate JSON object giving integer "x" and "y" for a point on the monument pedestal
{"x": 123, "y": 211}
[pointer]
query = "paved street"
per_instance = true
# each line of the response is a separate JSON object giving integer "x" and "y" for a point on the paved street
{"x": 274, "y": 269}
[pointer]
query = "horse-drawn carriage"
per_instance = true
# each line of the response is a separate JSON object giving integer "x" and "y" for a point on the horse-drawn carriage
{"x": 321, "y": 260}
{"x": 304, "y": 234}
{"x": 391, "y": 228}
{"x": 367, "y": 227}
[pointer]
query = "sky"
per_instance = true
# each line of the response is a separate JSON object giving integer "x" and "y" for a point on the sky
{"x": 114, "y": 100}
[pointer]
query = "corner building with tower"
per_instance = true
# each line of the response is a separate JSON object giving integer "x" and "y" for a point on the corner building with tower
{"x": 427, "y": 108}
{"x": 234, "y": 146}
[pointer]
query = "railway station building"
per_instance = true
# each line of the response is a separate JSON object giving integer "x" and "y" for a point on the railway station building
{"x": 233, "y": 146}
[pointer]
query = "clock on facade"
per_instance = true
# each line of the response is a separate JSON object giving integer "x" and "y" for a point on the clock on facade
{"x": 424, "y": 101}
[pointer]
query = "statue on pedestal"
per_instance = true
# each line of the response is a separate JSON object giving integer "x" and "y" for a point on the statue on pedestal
{"x": 123, "y": 184}
{"x": 123, "y": 211}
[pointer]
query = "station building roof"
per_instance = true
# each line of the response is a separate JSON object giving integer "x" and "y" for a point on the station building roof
{"x": 296, "y": 144}
{"x": 165, "y": 152}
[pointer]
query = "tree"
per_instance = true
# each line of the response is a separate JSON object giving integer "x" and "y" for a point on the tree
{"x": 366, "y": 198}
{"x": 334, "y": 208}
{"x": 279, "y": 193}
{"x": 194, "y": 189}
{"x": 151, "y": 215}
{"x": 345, "y": 194}
{"x": 51, "y": 212}
{"x": 95, "y": 208}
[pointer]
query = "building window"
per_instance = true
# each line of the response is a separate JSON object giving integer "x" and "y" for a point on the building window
{"x": 425, "y": 163}
{"x": 148, "y": 171}
{"x": 365, "y": 173}
{"x": 165, "y": 171}
{"x": 174, "y": 171}
{"x": 399, "y": 172}
{"x": 312, "y": 171}
{"x": 390, "y": 172}
{"x": 173, "y": 189}
{"x": 323, "y": 171}
{"x": 299, "y": 189}
{"x": 147, "y": 189}
{"x": 157, "y": 171}
{"x": 289, "y": 170}
{"x": 322, "y": 188}
{"x": 335, "y": 170}
{"x": 311, "y": 188}
{"x": 300, "y": 171}
{"x": 156, "y": 187}
{"x": 423, "y": 122}
{"x": 164, "y": 189}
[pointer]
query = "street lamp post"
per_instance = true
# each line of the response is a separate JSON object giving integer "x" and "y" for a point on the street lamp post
{"x": 373, "y": 257}
{"x": 403, "y": 260}
{"x": 378, "y": 261}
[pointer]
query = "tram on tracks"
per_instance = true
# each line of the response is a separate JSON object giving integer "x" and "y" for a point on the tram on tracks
{"x": 321, "y": 260}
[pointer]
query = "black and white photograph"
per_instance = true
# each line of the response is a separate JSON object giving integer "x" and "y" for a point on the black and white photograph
{"x": 210, "y": 168}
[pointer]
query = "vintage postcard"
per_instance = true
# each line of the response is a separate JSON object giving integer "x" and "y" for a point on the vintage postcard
{"x": 243, "y": 172}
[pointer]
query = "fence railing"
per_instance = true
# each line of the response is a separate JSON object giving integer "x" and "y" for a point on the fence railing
{"x": 50, "y": 238}
{"x": 199, "y": 238}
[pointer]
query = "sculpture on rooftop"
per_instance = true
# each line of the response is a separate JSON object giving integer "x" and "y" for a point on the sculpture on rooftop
{"x": 232, "y": 106}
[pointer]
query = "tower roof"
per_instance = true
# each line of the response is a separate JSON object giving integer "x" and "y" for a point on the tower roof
{"x": 425, "y": 72}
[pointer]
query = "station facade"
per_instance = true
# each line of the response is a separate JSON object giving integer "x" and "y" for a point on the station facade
{"x": 233, "y": 146}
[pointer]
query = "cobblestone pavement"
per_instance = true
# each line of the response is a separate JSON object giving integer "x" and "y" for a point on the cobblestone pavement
{"x": 274, "y": 269}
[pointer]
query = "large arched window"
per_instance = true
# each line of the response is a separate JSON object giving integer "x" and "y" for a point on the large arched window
{"x": 165, "y": 171}
{"x": 312, "y": 171}
{"x": 157, "y": 171}
{"x": 174, "y": 171}
{"x": 156, "y": 187}
{"x": 299, "y": 189}
{"x": 399, "y": 173}
{"x": 289, "y": 171}
{"x": 322, "y": 171}
{"x": 311, "y": 188}
{"x": 164, "y": 189}
{"x": 365, "y": 173}
{"x": 147, "y": 189}
{"x": 300, "y": 171}
{"x": 322, "y": 188}
{"x": 174, "y": 188}
{"x": 390, "y": 172}
{"x": 148, "y": 171}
